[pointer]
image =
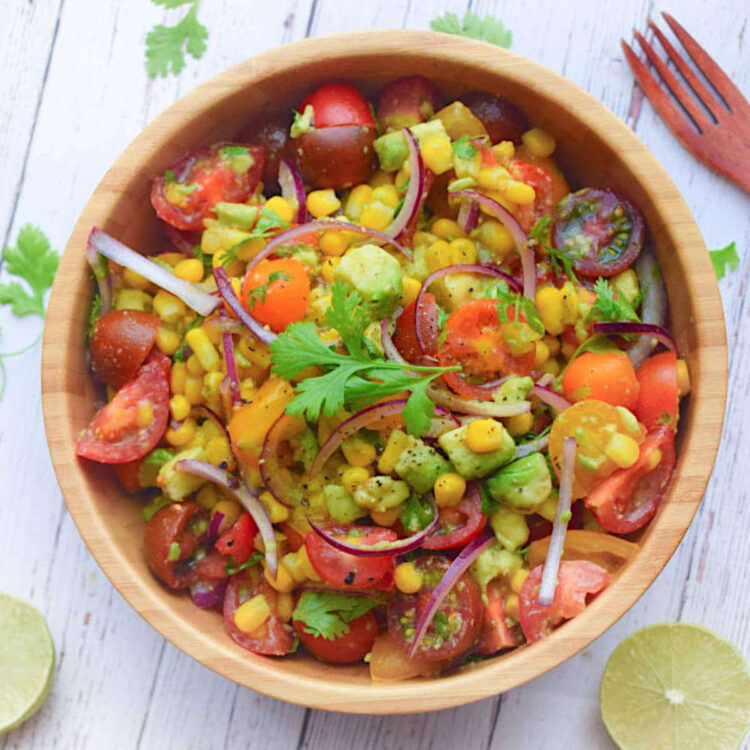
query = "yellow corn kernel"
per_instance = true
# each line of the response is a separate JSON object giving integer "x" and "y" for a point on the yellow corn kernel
{"x": 622, "y": 449}
{"x": 327, "y": 269}
{"x": 194, "y": 366}
{"x": 132, "y": 299}
{"x": 333, "y": 244}
{"x": 446, "y": 229}
{"x": 520, "y": 193}
{"x": 683, "y": 378}
{"x": 183, "y": 434}
{"x": 209, "y": 495}
{"x": 194, "y": 389}
{"x": 179, "y": 407}
{"x": 402, "y": 176}
{"x": 167, "y": 341}
{"x": 358, "y": 452}
{"x": 381, "y": 178}
{"x": 293, "y": 564}
{"x": 386, "y": 517}
{"x": 230, "y": 509}
{"x": 168, "y": 307}
{"x": 177, "y": 377}
{"x": 626, "y": 283}
{"x": 323, "y": 203}
{"x": 223, "y": 259}
{"x": 387, "y": 194}
{"x": 511, "y": 606}
{"x": 504, "y": 150}
{"x": 558, "y": 308}
{"x": 133, "y": 280}
{"x": 463, "y": 250}
{"x": 493, "y": 178}
{"x": 520, "y": 424}
{"x": 438, "y": 255}
{"x": 281, "y": 207}
{"x": 218, "y": 451}
{"x": 256, "y": 352}
{"x": 553, "y": 345}
{"x": 253, "y": 613}
{"x": 190, "y": 269}
{"x": 376, "y": 216}
{"x": 353, "y": 477}
{"x": 171, "y": 259}
{"x": 541, "y": 354}
{"x": 203, "y": 349}
{"x": 410, "y": 290}
{"x": 283, "y": 581}
{"x": 276, "y": 511}
{"x": 496, "y": 237}
{"x": 539, "y": 142}
{"x": 437, "y": 154}
{"x": 484, "y": 435}
{"x": 449, "y": 489}
{"x": 568, "y": 349}
{"x": 359, "y": 197}
{"x": 551, "y": 366}
{"x": 394, "y": 447}
{"x": 407, "y": 578}
{"x": 306, "y": 565}
{"x": 517, "y": 579}
{"x": 654, "y": 459}
{"x": 285, "y": 606}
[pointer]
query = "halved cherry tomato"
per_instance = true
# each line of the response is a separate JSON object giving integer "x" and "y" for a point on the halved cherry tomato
{"x": 605, "y": 376}
{"x": 276, "y": 293}
{"x": 405, "y": 336}
{"x": 272, "y": 133}
{"x": 274, "y": 637}
{"x": 601, "y": 231}
{"x": 459, "y": 525}
{"x": 629, "y": 498}
{"x": 338, "y": 104}
{"x": 408, "y": 101}
{"x": 346, "y": 649}
{"x": 181, "y": 240}
{"x": 542, "y": 184}
{"x": 336, "y": 157}
{"x": 502, "y": 119}
{"x": 496, "y": 633}
{"x": 213, "y": 565}
{"x": 294, "y": 538}
{"x": 659, "y": 398}
{"x": 389, "y": 662}
{"x": 170, "y": 540}
{"x": 560, "y": 187}
{"x": 457, "y": 622}
{"x": 578, "y": 581}
{"x": 128, "y": 475}
{"x": 237, "y": 541}
{"x": 119, "y": 344}
{"x": 130, "y": 425}
{"x": 188, "y": 190}
{"x": 342, "y": 569}
{"x": 607, "y": 551}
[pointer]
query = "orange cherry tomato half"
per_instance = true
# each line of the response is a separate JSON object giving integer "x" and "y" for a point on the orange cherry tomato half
{"x": 604, "y": 376}
{"x": 276, "y": 293}
{"x": 659, "y": 397}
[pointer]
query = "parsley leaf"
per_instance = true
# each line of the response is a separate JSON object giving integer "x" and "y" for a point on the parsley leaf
{"x": 611, "y": 306}
{"x": 487, "y": 29}
{"x": 328, "y": 614}
{"x": 166, "y": 45}
{"x": 539, "y": 235}
{"x": 231, "y": 567}
{"x": 348, "y": 316}
{"x": 726, "y": 256}
{"x": 259, "y": 292}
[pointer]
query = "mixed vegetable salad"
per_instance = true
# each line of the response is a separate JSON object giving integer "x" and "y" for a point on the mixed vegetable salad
{"x": 388, "y": 391}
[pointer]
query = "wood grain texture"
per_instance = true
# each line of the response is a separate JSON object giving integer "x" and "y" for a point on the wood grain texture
{"x": 155, "y": 686}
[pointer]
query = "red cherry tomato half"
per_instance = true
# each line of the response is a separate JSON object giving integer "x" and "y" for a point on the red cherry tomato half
{"x": 458, "y": 526}
{"x": 604, "y": 376}
{"x": 128, "y": 476}
{"x": 213, "y": 565}
{"x": 170, "y": 540}
{"x": 342, "y": 569}
{"x": 628, "y": 498}
{"x": 119, "y": 344}
{"x": 578, "y": 581}
{"x": 501, "y": 118}
{"x": 496, "y": 635}
{"x": 542, "y": 184}
{"x": 408, "y": 101}
{"x": 338, "y": 104}
{"x": 274, "y": 637}
{"x": 237, "y": 541}
{"x": 294, "y": 538}
{"x": 659, "y": 398}
{"x": 130, "y": 425}
{"x": 456, "y": 624}
{"x": 187, "y": 192}
{"x": 405, "y": 336}
{"x": 346, "y": 649}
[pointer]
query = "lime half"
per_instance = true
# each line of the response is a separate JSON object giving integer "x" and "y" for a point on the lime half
{"x": 676, "y": 687}
{"x": 27, "y": 661}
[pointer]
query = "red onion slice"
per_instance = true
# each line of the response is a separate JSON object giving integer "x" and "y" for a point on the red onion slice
{"x": 269, "y": 462}
{"x": 214, "y": 526}
{"x": 245, "y": 496}
{"x": 533, "y": 446}
{"x": 293, "y": 189}
{"x": 560, "y": 526}
{"x": 121, "y": 254}
{"x": 226, "y": 290}
{"x": 550, "y": 397}
{"x": 231, "y": 364}
{"x": 103, "y": 282}
{"x": 528, "y": 261}
{"x": 654, "y": 307}
{"x": 226, "y": 324}
{"x": 546, "y": 379}
{"x": 389, "y": 348}
{"x": 473, "y": 407}
{"x": 414, "y": 192}
{"x": 629, "y": 328}
{"x": 468, "y": 216}
{"x": 208, "y": 592}
{"x": 458, "y": 567}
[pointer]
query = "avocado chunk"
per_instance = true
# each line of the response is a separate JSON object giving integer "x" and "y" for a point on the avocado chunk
{"x": 238, "y": 215}
{"x": 375, "y": 274}
{"x": 340, "y": 505}
{"x": 381, "y": 493}
{"x": 523, "y": 484}
{"x": 495, "y": 561}
{"x": 176, "y": 484}
{"x": 419, "y": 465}
{"x": 392, "y": 149}
{"x": 513, "y": 390}
{"x": 468, "y": 463}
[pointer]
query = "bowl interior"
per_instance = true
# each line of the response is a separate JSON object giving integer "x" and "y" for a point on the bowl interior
{"x": 594, "y": 148}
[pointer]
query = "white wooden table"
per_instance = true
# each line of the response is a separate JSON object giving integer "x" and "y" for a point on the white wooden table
{"x": 73, "y": 93}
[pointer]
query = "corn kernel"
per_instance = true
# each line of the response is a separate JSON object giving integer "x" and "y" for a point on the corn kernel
{"x": 517, "y": 579}
{"x": 568, "y": 349}
{"x": 179, "y": 407}
{"x": 285, "y": 606}
{"x": 494, "y": 178}
{"x": 496, "y": 237}
{"x": 407, "y": 578}
{"x": 306, "y": 565}
{"x": 376, "y": 216}
{"x": 322, "y": 203}
{"x": 359, "y": 197}
{"x": 256, "y": 352}
{"x": 654, "y": 459}
{"x": 190, "y": 269}
{"x": 438, "y": 255}
{"x": 134, "y": 280}
{"x": 520, "y": 424}
{"x": 194, "y": 389}
{"x": 230, "y": 509}
{"x": 541, "y": 354}
{"x": 446, "y": 229}
{"x": 168, "y": 307}
{"x": 218, "y": 451}
{"x": 520, "y": 193}
{"x": 553, "y": 345}
{"x": 622, "y": 449}
{"x": 281, "y": 207}
{"x": 449, "y": 489}
{"x": 283, "y": 581}
{"x": 203, "y": 349}
{"x": 327, "y": 269}
{"x": 208, "y": 495}
{"x": 548, "y": 509}
{"x": 504, "y": 150}
{"x": 333, "y": 244}
{"x": 388, "y": 195}
{"x": 133, "y": 299}
{"x": 177, "y": 377}
{"x": 402, "y": 176}
{"x": 253, "y": 613}
{"x": 462, "y": 250}
{"x": 167, "y": 340}
{"x": 539, "y": 142}
{"x": 410, "y": 290}
{"x": 223, "y": 259}
{"x": 353, "y": 477}
{"x": 183, "y": 434}
{"x": 194, "y": 366}
{"x": 683, "y": 378}
{"x": 386, "y": 517}
{"x": 551, "y": 366}
{"x": 276, "y": 511}
{"x": 558, "y": 308}
{"x": 394, "y": 447}
{"x": 381, "y": 178}
{"x": 484, "y": 435}
{"x": 293, "y": 564}
{"x": 511, "y": 606}
{"x": 358, "y": 452}
{"x": 437, "y": 154}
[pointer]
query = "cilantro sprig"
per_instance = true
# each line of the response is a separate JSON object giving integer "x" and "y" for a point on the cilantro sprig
{"x": 328, "y": 614}
{"x": 559, "y": 260}
{"x": 269, "y": 223}
{"x": 611, "y": 306}
{"x": 487, "y": 29}
{"x": 725, "y": 256}
{"x": 232, "y": 568}
{"x": 502, "y": 292}
{"x": 166, "y": 45}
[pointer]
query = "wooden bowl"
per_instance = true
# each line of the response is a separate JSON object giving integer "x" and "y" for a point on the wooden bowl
{"x": 595, "y": 148}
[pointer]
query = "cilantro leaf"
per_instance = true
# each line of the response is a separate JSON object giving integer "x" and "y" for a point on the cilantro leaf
{"x": 328, "y": 614}
{"x": 463, "y": 148}
{"x": 502, "y": 292}
{"x": 268, "y": 223}
{"x": 726, "y": 256}
{"x": 234, "y": 151}
{"x": 611, "y": 306}
{"x": 259, "y": 292}
{"x": 166, "y": 45}
{"x": 348, "y": 316}
{"x": 231, "y": 567}
{"x": 487, "y": 29}
{"x": 539, "y": 235}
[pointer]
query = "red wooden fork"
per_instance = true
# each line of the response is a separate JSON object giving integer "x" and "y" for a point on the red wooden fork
{"x": 720, "y": 138}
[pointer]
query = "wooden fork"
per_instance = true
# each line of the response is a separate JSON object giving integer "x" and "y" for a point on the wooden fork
{"x": 721, "y": 138}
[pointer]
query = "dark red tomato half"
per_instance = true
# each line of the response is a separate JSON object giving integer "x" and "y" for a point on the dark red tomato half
{"x": 237, "y": 541}
{"x": 346, "y": 649}
{"x": 456, "y": 624}
{"x": 130, "y": 425}
{"x": 405, "y": 336}
{"x": 408, "y": 101}
{"x": 342, "y": 569}
{"x": 659, "y": 394}
{"x": 501, "y": 118}
{"x": 578, "y": 581}
{"x": 543, "y": 187}
{"x": 628, "y": 498}
{"x": 187, "y": 192}
{"x": 181, "y": 240}
{"x": 119, "y": 344}
{"x": 273, "y": 135}
{"x": 338, "y": 104}
{"x": 458, "y": 526}
{"x": 170, "y": 540}
{"x": 601, "y": 231}
{"x": 274, "y": 637}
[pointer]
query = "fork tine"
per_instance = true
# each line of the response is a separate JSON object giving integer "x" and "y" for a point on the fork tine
{"x": 715, "y": 75}
{"x": 679, "y": 91}
{"x": 708, "y": 99}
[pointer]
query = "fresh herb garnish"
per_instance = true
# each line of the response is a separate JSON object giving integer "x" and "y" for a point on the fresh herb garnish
{"x": 170, "y": 177}
{"x": 440, "y": 623}
{"x": 539, "y": 234}
{"x": 231, "y": 568}
{"x": 502, "y": 292}
{"x": 328, "y": 614}
{"x": 487, "y": 29}
{"x": 259, "y": 292}
{"x": 204, "y": 258}
{"x": 234, "y": 151}
{"x": 611, "y": 305}
{"x": 463, "y": 148}
{"x": 158, "y": 457}
{"x": 94, "y": 315}
{"x": 166, "y": 45}
{"x": 268, "y": 223}
{"x": 726, "y": 256}
{"x": 174, "y": 552}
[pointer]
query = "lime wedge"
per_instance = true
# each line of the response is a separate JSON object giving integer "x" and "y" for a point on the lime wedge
{"x": 27, "y": 661}
{"x": 676, "y": 687}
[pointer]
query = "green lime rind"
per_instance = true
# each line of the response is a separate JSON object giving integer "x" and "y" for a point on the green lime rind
{"x": 676, "y": 687}
{"x": 27, "y": 661}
